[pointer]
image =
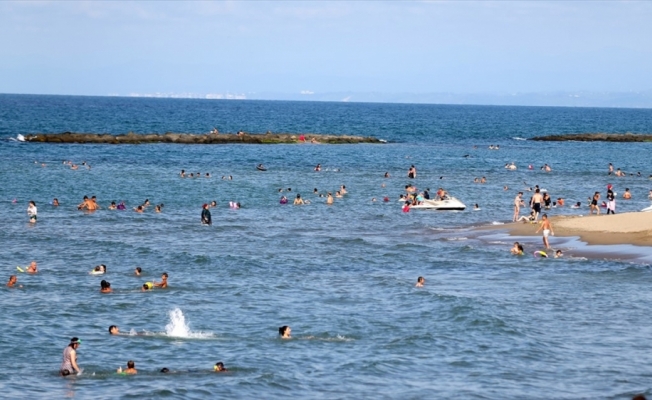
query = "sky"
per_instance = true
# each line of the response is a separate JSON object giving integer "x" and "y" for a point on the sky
{"x": 121, "y": 47}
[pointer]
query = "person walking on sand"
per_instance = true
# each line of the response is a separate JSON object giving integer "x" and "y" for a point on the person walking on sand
{"x": 547, "y": 229}
{"x": 611, "y": 200}
{"x": 594, "y": 203}
{"x": 518, "y": 202}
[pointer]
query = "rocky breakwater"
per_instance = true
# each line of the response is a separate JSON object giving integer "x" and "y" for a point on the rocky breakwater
{"x": 596, "y": 137}
{"x": 190, "y": 138}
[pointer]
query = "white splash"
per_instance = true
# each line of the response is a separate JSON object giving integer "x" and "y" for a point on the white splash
{"x": 178, "y": 327}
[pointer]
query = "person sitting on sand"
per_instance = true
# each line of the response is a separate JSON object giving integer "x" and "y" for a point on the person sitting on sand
{"x": 219, "y": 366}
{"x": 12, "y": 282}
{"x": 284, "y": 332}
{"x": 517, "y": 250}
{"x": 529, "y": 218}
{"x": 105, "y": 287}
{"x": 32, "y": 269}
{"x": 131, "y": 369}
{"x": 420, "y": 281}
{"x": 298, "y": 201}
{"x": 164, "y": 281}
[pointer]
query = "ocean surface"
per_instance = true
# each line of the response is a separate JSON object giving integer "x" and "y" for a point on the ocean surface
{"x": 487, "y": 325}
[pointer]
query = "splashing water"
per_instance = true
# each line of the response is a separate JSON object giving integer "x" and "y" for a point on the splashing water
{"x": 178, "y": 327}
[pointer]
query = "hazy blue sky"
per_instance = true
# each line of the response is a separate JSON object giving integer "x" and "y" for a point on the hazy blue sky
{"x": 429, "y": 46}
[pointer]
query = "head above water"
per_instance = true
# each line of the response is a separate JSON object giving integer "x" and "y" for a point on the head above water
{"x": 113, "y": 330}
{"x": 284, "y": 331}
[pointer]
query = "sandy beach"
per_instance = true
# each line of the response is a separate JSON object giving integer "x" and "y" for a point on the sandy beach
{"x": 627, "y": 228}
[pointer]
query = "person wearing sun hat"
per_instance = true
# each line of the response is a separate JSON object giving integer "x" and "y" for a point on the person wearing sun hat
{"x": 611, "y": 200}
{"x": 69, "y": 363}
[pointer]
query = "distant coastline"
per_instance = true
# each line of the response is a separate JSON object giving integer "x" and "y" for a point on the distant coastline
{"x": 189, "y": 138}
{"x": 596, "y": 137}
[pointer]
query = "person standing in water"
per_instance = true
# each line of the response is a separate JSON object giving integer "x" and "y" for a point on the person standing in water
{"x": 130, "y": 370}
{"x": 164, "y": 281}
{"x": 206, "y": 215}
{"x": 412, "y": 172}
{"x": 32, "y": 211}
{"x": 420, "y": 281}
{"x": 69, "y": 363}
{"x": 535, "y": 203}
{"x": 547, "y": 230}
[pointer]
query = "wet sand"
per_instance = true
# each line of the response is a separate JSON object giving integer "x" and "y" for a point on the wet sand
{"x": 627, "y": 228}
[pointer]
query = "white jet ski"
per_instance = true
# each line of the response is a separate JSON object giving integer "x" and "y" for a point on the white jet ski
{"x": 446, "y": 204}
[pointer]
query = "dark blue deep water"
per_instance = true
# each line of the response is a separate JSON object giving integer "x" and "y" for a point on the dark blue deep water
{"x": 486, "y": 324}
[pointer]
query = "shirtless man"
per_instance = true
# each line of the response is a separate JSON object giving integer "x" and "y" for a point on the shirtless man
{"x": 535, "y": 203}
{"x": 164, "y": 281}
{"x": 32, "y": 269}
{"x": 547, "y": 230}
{"x": 130, "y": 370}
{"x": 518, "y": 202}
{"x": 329, "y": 199}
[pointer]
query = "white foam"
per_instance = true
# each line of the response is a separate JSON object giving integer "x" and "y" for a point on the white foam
{"x": 518, "y": 138}
{"x": 178, "y": 327}
{"x": 497, "y": 223}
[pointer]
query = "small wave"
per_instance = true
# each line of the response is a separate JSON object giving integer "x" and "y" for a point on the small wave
{"x": 497, "y": 223}
{"x": 452, "y": 239}
{"x": 518, "y": 138}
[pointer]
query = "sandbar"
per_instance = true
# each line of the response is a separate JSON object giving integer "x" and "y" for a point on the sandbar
{"x": 626, "y": 228}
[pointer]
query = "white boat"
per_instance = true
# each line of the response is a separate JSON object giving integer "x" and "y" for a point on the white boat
{"x": 447, "y": 203}
{"x": 20, "y": 138}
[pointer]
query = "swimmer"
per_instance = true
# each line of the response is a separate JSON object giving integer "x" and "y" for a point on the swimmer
{"x": 164, "y": 281}
{"x": 157, "y": 208}
{"x": 412, "y": 172}
{"x": 298, "y": 200}
{"x": 317, "y": 168}
{"x": 208, "y": 175}
{"x": 406, "y": 207}
{"x": 387, "y": 175}
{"x": 182, "y": 173}
{"x": 420, "y": 281}
{"x": 146, "y": 202}
{"x": 147, "y": 286}
{"x": 122, "y": 206}
{"x": 105, "y": 287}
{"x": 69, "y": 362}
{"x": 343, "y": 189}
{"x": 284, "y": 332}
{"x": 315, "y": 191}
{"x": 114, "y": 330}
{"x": 284, "y": 200}
{"x": 577, "y": 205}
{"x": 99, "y": 270}
{"x": 483, "y": 180}
{"x": 476, "y": 207}
{"x": 113, "y": 206}
{"x": 138, "y": 271}
{"x": 386, "y": 199}
{"x": 55, "y": 202}
{"x": 12, "y": 282}
{"x": 213, "y": 204}
{"x": 559, "y": 254}
{"x": 32, "y": 269}
{"x": 329, "y": 198}
{"x": 32, "y": 211}
{"x": 547, "y": 230}
{"x": 338, "y": 194}
{"x": 627, "y": 195}
{"x": 139, "y": 209}
{"x": 517, "y": 250}
{"x": 219, "y": 367}
{"x": 130, "y": 370}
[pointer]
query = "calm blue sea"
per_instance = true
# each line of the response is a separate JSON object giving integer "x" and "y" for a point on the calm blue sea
{"x": 486, "y": 325}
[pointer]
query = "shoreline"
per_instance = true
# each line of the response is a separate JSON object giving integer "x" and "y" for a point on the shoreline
{"x": 190, "y": 138}
{"x": 633, "y": 228}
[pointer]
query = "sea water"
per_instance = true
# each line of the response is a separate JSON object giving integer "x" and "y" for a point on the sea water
{"x": 486, "y": 324}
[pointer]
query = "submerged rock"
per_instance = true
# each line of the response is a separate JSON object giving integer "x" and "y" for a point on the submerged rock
{"x": 189, "y": 138}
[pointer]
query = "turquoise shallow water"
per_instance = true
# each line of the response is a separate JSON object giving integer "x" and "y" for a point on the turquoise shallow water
{"x": 486, "y": 325}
